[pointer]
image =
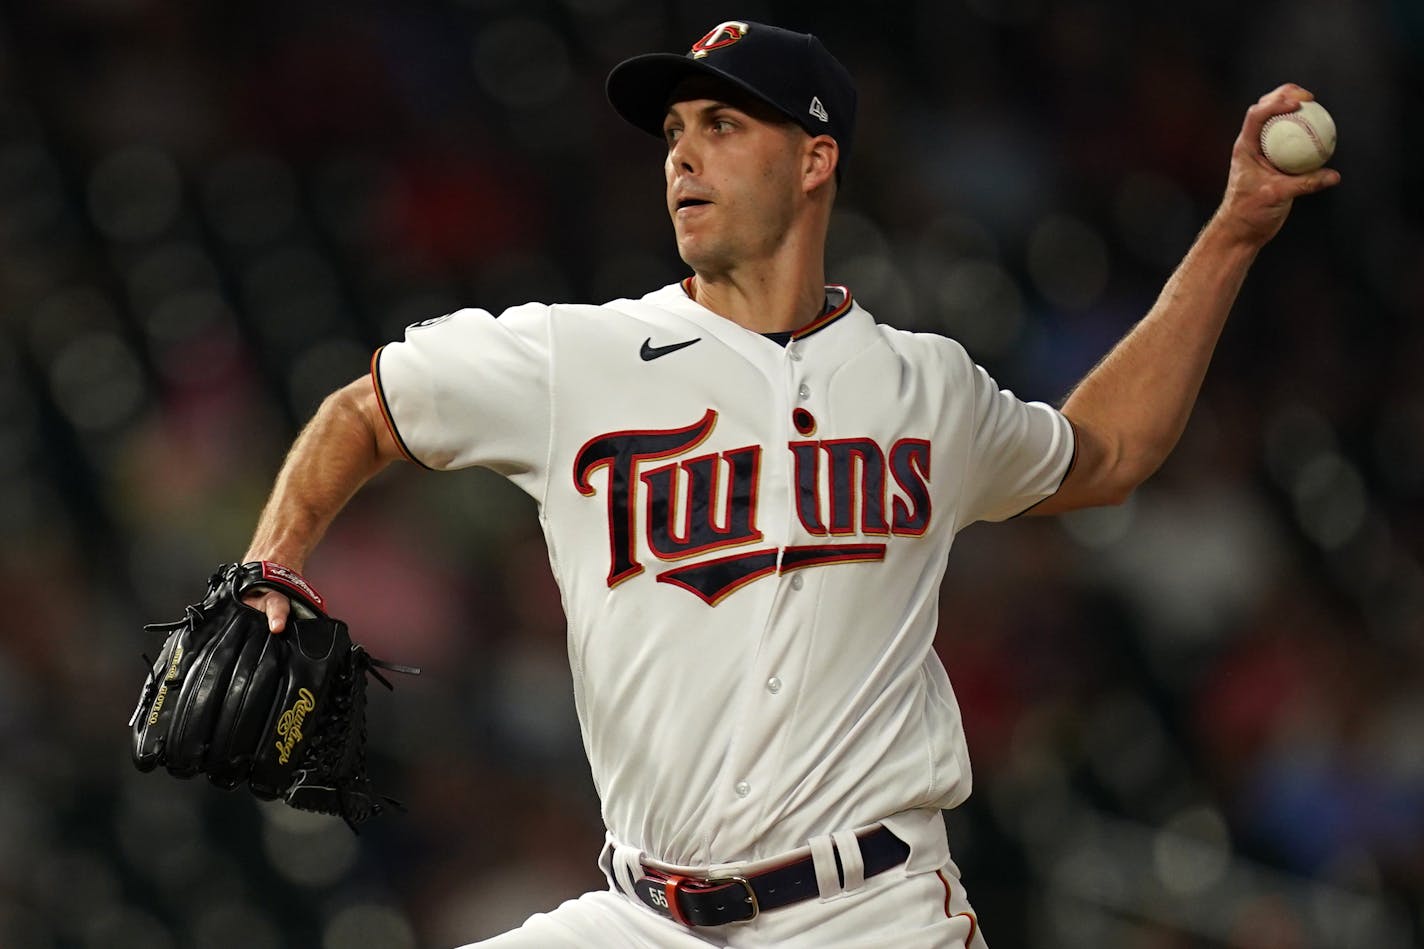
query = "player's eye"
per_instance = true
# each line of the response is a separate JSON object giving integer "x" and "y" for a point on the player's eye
{"x": 671, "y": 133}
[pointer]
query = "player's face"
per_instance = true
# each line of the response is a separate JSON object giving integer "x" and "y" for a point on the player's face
{"x": 733, "y": 178}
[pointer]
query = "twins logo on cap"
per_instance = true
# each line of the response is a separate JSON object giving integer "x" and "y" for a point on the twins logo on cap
{"x": 723, "y": 34}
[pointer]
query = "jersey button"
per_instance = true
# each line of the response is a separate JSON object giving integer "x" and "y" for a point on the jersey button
{"x": 794, "y": 355}
{"x": 743, "y": 789}
{"x": 803, "y": 392}
{"x": 773, "y": 685}
{"x": 797, "y": 581}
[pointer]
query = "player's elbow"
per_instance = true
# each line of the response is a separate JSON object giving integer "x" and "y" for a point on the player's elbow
{"x": 355, "y": 408}
{"x": 1125, "y": 474}
{"x": 1106, "y": 470}
{"x": 1116, "y": 492}
{"x": 350, "y": 398}
{"x": 1107, "y": 490}
{"x": 345, "y": 407}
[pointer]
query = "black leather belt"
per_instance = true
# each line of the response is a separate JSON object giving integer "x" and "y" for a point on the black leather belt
{"x": 716, "y": 901}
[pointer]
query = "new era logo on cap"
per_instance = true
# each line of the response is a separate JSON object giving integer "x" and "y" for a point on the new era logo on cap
{"x": 818, "y": 110}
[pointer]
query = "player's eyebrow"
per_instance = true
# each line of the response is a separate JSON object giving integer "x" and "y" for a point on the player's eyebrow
{"x": 715, "y": 105}
{"x": 721, "y": 101}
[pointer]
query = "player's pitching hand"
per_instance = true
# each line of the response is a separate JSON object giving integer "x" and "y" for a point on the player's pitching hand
{"x": 1258, "y": 196}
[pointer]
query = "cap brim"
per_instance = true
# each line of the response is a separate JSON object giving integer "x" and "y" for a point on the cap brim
{"x": 639, "y": 88}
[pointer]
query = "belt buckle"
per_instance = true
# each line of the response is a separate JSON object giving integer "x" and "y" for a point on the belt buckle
{"x": 746, "y": 885}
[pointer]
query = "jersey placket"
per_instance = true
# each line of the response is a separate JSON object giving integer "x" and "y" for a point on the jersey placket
{"x": 776, "y": 673}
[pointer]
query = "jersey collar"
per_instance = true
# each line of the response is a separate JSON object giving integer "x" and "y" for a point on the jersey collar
{"x": 838, "y": 304}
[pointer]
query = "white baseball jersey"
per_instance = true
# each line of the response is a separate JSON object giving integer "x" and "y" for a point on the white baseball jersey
{"x": 749, "y": 540}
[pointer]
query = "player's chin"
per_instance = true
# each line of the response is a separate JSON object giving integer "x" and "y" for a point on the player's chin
{"x": 703, "y": 260}
{"x": 694, "y": 249}
{"x": 687, "y": 230}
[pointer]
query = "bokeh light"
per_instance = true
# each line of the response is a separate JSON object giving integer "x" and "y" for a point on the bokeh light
{"x": 1193, "y": 717}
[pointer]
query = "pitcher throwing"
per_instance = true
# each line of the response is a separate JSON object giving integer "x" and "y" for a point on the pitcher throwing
{"x": 749, "y": 490}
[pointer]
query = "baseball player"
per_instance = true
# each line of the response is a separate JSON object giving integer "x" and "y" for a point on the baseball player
{"x": 749, "y": 490}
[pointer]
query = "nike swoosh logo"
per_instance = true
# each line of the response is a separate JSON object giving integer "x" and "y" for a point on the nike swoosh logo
{"x": 649, "y": 352}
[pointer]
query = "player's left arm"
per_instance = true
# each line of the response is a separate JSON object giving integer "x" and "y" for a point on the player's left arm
{"x": 1130, "y": 410}
{"x": 346, "y": 444}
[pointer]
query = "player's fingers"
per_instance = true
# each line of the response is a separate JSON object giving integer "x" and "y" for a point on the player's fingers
{"x": 1283, "y": 98}
{"x": 1287, "y": 89}
{"x": 275, "y": 605}
{"x": 1315, "y": 181}
{"x": 277, "y": 608}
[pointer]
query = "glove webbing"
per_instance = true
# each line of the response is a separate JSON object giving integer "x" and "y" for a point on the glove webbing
{"x": 334, "y": 780}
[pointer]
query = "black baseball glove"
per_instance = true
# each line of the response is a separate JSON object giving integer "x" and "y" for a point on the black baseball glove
{"x": 285, "y": 712}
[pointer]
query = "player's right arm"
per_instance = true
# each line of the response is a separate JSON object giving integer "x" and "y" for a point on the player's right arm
{"x": 344, "y": 445}
{"x": 1130, "y": 410}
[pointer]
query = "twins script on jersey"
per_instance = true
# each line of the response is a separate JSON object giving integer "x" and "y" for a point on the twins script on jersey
{"x": 735, "y": 527}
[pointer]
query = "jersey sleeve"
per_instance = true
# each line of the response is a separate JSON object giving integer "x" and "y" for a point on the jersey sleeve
{"x": 1020, "y": 453}
{"x": 472, "y": 389}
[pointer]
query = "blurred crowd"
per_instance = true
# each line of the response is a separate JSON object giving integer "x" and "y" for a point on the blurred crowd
{"x": 1195, "y": 719}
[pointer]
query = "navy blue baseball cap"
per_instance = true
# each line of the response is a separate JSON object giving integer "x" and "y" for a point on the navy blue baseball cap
{"x": 791, "y": 72}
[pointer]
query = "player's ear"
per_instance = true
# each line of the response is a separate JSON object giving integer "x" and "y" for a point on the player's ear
{"x": 820, "y": 158}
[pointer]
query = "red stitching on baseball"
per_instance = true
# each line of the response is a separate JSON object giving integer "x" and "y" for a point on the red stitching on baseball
{"x": 1295, "y": 118}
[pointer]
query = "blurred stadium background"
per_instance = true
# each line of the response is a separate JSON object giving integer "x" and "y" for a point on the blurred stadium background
{"x": 1197, "y": 720}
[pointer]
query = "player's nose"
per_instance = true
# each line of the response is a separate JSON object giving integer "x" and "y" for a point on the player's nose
{"x": 682, "y": 155}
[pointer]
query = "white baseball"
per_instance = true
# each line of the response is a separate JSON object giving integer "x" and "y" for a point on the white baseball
{"x": 1300, "y": 141}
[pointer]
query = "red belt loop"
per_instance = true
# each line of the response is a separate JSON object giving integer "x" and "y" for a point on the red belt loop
{"x": 670, "y": 888}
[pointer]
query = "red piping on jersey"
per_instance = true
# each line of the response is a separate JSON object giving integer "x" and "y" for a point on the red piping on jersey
{"x": 815, "y": 326}
{"x": 973, "y": 921}
{"x": 386, "y": 412}
{"x": 973, "y": 926}
{"x": 826, "y": 319}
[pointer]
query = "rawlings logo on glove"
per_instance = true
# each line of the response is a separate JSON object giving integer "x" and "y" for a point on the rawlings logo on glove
{"x": 289, "y": 726}
{"x": 285, "y": 713}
